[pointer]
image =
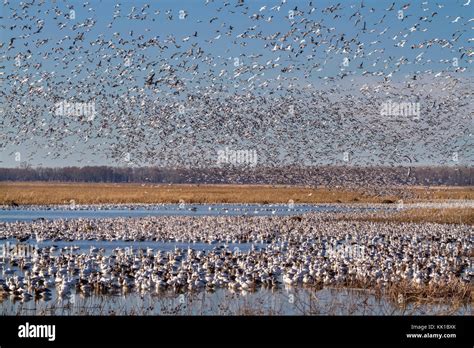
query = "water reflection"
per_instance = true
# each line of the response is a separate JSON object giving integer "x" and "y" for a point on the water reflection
{"x": 8, "y": 214}
{"x": 289, "y": 301}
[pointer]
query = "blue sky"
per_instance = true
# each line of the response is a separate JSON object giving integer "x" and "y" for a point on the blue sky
{"x": 58, "y": 55}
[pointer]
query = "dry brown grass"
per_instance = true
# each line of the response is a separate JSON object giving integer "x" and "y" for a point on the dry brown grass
{"x": 457, "y": 292}
{"x": 82, "y": 193}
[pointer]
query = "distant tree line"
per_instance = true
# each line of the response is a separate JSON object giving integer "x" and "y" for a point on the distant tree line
{"x": 324, "y": 175}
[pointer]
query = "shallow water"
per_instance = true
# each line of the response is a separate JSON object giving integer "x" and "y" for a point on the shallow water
{"x": 108, "y": 246}
{"x": 67, "y": 212}
{"x": 286, "y": 301}
{"x": 264, "y": 301}
{"x": 283, "y": 300}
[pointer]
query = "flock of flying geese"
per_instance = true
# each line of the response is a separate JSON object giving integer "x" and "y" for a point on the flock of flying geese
{"x": 299, "y": 82}
{"x": 314, "y": 250}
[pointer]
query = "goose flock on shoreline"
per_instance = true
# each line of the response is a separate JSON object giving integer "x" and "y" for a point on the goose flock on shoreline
{"x": 310, "y": 251}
